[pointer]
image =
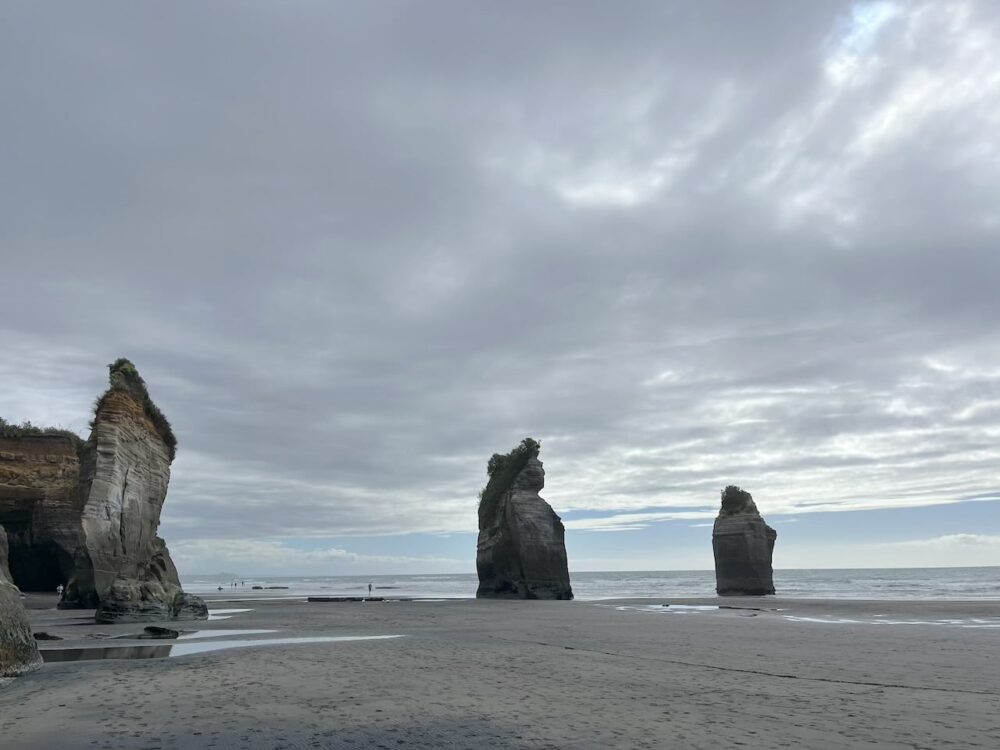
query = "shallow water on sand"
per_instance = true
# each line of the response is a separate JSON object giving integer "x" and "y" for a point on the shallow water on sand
{"x": 220, "y": 633}
{"x": 972, "y": 622}
{"x": 161, "y": 651}
{"x": 225, "y": 614}
{"x": 748, "y": 611}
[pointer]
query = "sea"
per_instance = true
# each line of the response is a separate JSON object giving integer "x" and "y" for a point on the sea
{"x": 861, "y": 583}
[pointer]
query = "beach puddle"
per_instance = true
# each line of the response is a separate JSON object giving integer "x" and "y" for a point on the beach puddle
{"x": 225, "y": 614}
{"x": 220, "y": 634}
{"x": 973, "y": 622}
{"x": 105, "y": 652}
{"x": 187, "y": 649}
{"x": 675, "y": 609}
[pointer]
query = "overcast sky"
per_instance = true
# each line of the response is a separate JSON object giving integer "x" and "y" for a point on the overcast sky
{"x": 356, "y": 248}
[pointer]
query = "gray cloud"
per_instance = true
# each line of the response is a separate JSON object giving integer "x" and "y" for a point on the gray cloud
{"x": 355, "y": 250}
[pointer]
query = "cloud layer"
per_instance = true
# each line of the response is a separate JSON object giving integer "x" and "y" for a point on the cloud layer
{"x": 356, "y": 250}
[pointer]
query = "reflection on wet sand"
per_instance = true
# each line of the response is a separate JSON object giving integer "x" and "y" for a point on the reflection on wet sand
{"x": 186, "y": 649}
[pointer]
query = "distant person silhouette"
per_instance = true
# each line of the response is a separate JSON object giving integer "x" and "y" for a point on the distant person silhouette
{"x": 369, "y": 589}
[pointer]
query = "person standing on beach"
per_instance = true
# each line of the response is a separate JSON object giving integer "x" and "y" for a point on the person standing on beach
{"x": 369, "y": 590}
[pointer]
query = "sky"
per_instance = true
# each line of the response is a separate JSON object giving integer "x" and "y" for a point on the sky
{"x": 356, "y": 248}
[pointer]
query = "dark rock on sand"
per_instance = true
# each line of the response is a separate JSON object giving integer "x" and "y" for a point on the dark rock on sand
{"x": 743, "y": 545}
{"x": 47, "y": 637}
{"x": 521, "y": 553}
{"x": 130, "y": 600}
{"x": 155, "y": 632}
{"x": 188, "y": 607}
{"x": 18, "y": 650}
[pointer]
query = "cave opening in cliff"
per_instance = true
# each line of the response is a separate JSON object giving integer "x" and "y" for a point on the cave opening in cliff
{"x": 34, "y": 567}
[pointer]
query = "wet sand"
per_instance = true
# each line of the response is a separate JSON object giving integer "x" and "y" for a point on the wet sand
{"x": 477, "y": 674}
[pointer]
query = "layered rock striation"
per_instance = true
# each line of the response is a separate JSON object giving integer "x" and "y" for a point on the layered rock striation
{"x": 521, "y": 553}
{"x": 743, "y": 546}
{"x": 18, "y": 650}
{"x": 92, "y": 523}
{"x": 40, "y": 504}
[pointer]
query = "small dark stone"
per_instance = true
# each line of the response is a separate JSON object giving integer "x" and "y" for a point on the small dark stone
{"x": 47, "y": 637}
{"x": 155, "y": 631}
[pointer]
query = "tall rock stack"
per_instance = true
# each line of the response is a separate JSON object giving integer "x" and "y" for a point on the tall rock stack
{"x": 18, "y": 652}
{"x": 521, "y": 553}
{"x": 121, "y": 566}
{"x": 86, "y": 513}
{"x": 743, "y": 545}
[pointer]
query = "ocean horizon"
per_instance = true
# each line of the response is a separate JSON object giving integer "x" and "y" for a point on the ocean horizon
{"x": 978, "y": 583}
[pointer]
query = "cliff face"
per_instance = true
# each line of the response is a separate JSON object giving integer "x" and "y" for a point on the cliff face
{"x": 40, "y": 507}
{"x": 743, "y": 546}
{"x": 521, "y": 553}
{"x": 87, "y": 513}
{"x": 18, "y": 651}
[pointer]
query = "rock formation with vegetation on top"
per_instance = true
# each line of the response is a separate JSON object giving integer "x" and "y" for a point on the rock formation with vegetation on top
{"x": 85, "y": 513}
{"x": 743, "y": 545}
{"x": 521, "y": 552}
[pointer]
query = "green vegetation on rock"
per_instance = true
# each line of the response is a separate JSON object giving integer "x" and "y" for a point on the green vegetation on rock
{"x": 26, "y": 429}
{"x": 736, "y": 500}
{"x": 123, "y": 376}
{"x": 503, "y": 469}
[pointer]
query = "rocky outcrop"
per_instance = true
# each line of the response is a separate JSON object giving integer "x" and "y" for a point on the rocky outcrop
{"x": 743, "y": 545}
{"x": 521, "y": 553}
{"x": 89, "y": 516}
{"x": 18, "y": 650}
{"x": 148, "y": 600}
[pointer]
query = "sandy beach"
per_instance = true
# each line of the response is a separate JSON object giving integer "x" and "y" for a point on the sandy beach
{"x": 469, "y": 674}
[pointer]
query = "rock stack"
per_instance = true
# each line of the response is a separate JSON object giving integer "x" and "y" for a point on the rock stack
{"x": 743, "y": 545}
{"x": 86, "y": 513}
{"x": 18, "y": 651}
{"x": 521, "y": 552}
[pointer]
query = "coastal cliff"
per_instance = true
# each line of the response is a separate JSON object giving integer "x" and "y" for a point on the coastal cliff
{"x": 18, "y": 651}
{"x": 743, "y": 546}
{"x": 86, "y": 513}
{"x": 40, "y": 504}
{"x": 521, "y": 552}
